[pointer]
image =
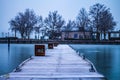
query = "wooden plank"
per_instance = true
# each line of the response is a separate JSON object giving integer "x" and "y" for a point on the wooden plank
{"x": 61, "y": 63}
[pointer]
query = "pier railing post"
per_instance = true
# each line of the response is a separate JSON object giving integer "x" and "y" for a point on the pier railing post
{"x": 50, "y": 46}
{"x": 92, "y": 68}
{"x": 39, "y": 50}
{"x": 56, "y": 44}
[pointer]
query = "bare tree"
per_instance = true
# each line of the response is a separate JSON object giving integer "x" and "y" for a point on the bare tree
{"x": 101, "y": 18}
{"x": 38, "y": 27}
{"x": 95, "y": 12}
{"x": 13, "y": 27}
{"x": 54, "y": 22}
{"x": 70, "y": 26}
{"x": 31, "y": 21}
{"x": 24, "y": 23}
{"x": 82, "y": 21}
{"x": 107, "y": 22}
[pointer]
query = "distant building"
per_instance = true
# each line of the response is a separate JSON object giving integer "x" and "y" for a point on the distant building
{"x": 79, "y": 35}
{"x": 75, "y": 35}
{"x": 114, "y": 35}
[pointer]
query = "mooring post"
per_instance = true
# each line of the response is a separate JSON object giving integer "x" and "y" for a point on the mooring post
{"x": 92, "y": 68}
{"x": 39, "y": 50}
{"x": 50, "y": 45}
{"x": 79, "y": 53}
{"x": 17, "y": 69}
{"x": 83, "y": 56}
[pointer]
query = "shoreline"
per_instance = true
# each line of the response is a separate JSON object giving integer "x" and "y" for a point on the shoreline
{"x": 32, "y": 41}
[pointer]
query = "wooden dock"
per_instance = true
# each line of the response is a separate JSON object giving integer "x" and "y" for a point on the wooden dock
{"x": 60, "y": 63}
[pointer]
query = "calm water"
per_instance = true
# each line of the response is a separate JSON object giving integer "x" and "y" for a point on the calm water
{"x": 106, "y": 58}
{"x": 10, "y": 59}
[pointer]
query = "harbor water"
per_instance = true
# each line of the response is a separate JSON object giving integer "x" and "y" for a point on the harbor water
{"x": 11, "y": 56}
{"x": 106, "y": 58}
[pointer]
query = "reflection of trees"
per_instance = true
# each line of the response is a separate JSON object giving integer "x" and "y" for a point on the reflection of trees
{"x": 104, "y": 60}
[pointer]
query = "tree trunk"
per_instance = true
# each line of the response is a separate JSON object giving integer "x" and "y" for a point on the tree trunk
{"x": 28, "y": 36}
{"x": 104, "y": 35}
{"x": 109, "y": 35}
{"x": 15, "y": 33}
{"x": 100, "y": 35}
{"x": 84, "y": 34}
{"x": 38, "y": 35}
{"x": 22, "y": 35}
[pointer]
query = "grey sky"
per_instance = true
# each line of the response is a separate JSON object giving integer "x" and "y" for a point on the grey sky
{"x": 67, "y": 8}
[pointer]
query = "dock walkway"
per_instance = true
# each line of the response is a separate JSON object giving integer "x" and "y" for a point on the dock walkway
{"x": 60, "y": 63}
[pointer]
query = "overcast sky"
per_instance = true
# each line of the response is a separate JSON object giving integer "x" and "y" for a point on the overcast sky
{"x": 67, "y": 8}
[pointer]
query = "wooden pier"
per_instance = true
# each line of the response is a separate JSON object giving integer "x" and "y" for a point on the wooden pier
{"x": 60, "y": 63}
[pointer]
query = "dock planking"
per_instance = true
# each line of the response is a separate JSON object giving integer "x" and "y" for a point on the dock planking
{"x": 60, "y": 63}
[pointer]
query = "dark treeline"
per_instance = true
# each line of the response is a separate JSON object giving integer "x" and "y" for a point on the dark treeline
{"x": 98, "y": 19}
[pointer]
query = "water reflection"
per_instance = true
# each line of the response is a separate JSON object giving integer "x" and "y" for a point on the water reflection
{"x": 10, "y": 58}
{"x": 3, "y": 59}
{"x": 106, "y": 58}
{"x": 12, "y": 55}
